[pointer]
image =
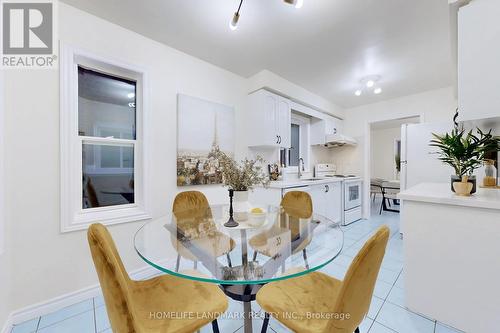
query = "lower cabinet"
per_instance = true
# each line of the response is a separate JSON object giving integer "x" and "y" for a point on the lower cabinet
{"x": 327, "y": 198}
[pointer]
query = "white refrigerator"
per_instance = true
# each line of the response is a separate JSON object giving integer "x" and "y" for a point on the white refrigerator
{"x": 419, "y": 161}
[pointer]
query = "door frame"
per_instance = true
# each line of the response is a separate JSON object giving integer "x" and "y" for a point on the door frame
{"x": 367, "y": 155}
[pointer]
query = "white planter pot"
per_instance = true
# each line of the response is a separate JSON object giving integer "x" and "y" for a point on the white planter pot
{"x": 241, "y": 206}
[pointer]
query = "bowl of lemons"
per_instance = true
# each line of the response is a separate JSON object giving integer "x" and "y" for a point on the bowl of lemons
{"x": 257, "y": 217}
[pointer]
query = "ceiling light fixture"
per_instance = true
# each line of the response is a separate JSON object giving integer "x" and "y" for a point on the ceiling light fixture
{"x": 297, "y": 3}
{"x": 368, "y": 83}
{"x": 233, "y": 24}
{"x": 130, "y": 95}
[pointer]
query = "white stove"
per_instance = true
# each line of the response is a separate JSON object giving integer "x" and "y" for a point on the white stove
{"x": 351, "y": 189}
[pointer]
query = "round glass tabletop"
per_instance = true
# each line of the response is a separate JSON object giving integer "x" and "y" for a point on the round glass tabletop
{"x": 270, "y": 245}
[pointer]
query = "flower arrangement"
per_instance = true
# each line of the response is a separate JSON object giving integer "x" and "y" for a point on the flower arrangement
{"x": 242, "y": 176}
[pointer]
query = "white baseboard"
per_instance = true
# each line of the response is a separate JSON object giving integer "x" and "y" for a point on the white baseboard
{"x": 7, "y": 327}
{"x": 60, "y": 302}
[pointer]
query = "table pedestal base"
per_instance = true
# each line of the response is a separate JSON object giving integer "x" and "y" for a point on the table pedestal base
{"x": 246, "y": 294}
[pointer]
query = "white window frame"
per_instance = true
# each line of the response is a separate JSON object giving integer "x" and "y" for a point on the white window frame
{"x": 304, "y": 137}
{"x": 73, "y": 216}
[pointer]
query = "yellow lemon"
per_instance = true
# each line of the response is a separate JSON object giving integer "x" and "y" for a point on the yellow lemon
{"x": 257, "y": 211}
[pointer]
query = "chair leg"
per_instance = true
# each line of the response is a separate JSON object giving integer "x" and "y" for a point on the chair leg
{"x": 304, "y": 254}
{"x": 178, "y": 263}
{"x": 229, "y": 260}
{"x": 266, "y": 323}
{"x": 254, "y": 255}
{"x": 215, "y": 326}
{"x": 381, "y": 206}
{"x": 357, "y": 330}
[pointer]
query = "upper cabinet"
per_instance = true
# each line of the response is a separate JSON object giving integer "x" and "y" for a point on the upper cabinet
{"x": 478, "y": 59}
{"x": 320, "y": 128}
{"x": 269, "y": 119}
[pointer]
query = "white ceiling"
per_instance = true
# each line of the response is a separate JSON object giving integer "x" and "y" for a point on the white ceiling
{"x": 327, "y": 46}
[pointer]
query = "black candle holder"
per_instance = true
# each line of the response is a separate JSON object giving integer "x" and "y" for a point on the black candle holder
{"x": 231, "y": 223}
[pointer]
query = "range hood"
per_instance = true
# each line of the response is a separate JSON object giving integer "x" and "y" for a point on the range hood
{"x": 339, "y": 140}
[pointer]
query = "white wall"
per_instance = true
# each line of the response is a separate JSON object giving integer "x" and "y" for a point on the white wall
{"x": 291, "y": 90}
{"x": 47, "y": 263}
{"x": 383, "y": 163}
{"x": 4, "y": 253}
{"x": 32, "y": 153}
{"x": 432, "y": 106}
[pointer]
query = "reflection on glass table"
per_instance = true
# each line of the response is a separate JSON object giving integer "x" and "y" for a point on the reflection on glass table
{"x": 275, "y": 239}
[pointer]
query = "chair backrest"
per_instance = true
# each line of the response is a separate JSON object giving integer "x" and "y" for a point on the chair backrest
{"x": 298, "y": 204}
{"x": 357, "y": 288}
{"x": 114, "y": 280}
{"x": 91, "y": 194}
{"x": 190, "y": 208}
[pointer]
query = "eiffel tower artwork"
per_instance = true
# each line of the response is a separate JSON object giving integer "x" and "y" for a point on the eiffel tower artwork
{"x": 197, "y": 163}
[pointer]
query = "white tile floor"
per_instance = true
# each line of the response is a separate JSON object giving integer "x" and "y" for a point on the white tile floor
{"x": 387, "y": 312}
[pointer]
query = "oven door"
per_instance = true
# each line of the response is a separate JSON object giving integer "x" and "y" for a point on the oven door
{"x": 352, "y": 194}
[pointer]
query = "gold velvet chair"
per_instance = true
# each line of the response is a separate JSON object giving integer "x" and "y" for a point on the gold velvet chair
{"x": 190, "y": 209}
{"x": 323, "y": 304}
{"x": 137, "y": 306}
{"x": 296, "y": 205}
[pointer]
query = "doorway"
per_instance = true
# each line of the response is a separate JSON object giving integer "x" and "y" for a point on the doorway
{"x": 383, "y": 167}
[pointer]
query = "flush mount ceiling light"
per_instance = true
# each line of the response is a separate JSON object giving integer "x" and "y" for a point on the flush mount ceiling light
{"x": 369, "y": 83}
{"x": 233, "y": 24}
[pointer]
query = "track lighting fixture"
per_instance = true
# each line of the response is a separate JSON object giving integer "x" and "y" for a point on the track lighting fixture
{"x": 233, "y": 24}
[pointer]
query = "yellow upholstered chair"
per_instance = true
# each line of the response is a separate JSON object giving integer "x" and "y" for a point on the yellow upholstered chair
{"x": 323, "y": 304}
{"x": 296, "y": 205}
{"x": 137, "y": 306}
{"x": 190, "y": 209}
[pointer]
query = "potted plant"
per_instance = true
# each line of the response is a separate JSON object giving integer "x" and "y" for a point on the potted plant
{"x": 464, "y": 152}
{"x": 240, "y": 178}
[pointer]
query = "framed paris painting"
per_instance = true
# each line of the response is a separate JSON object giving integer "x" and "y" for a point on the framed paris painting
{"x": 204, "y": 128}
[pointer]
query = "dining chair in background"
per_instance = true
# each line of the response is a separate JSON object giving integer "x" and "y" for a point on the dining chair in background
{"x": 346, "y": 301}
{"x": 132, "y": 305}
{"x": 192, "y": 211}
{"x": 296, "y": 205}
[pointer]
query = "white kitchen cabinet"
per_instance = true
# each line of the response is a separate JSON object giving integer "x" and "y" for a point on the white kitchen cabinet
{"x": 478, "y": 60}
{"x": 334, "y": 207}
{"x": 320, "y": 128}
{"x": 284, "y": 120}
{"x": 318, "y": 196}
{"x": 327, "y": 200}
{"x": 269, "y": 120}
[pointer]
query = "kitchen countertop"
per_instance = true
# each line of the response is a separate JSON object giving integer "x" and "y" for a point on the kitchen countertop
{"x": 298, "y": 183}
{"x": 440, "y": 193}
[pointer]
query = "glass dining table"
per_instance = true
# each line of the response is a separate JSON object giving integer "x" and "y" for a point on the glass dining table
{"x": 269, "y": 244}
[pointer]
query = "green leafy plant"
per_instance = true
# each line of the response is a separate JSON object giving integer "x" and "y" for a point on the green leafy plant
{"x": 242, "y": 176}
{"x": 464, "y": 151}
